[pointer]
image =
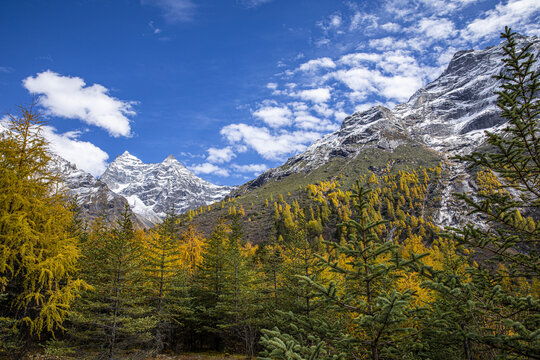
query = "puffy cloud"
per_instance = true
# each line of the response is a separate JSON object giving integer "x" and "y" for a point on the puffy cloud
{"x": 515, "y": 13}
{"x": 391, "y": 27}
{"x": 310, "y": 122}
{"x": 271, "y": 86}
{"x": 437, "y": 28}
{"x": 69, "y": 97}
{"x": 207, "y": 168}
{"x": 357, "y": 79}
{"x": 340, "y": 115}
{"x": 266, "y": 144}
{"x": 274, "y": 116}
{"x": 85, "y": 155}
{"x": 255, "y": 169}
{"x": 219, "y": 156}
{"x": 319, "y": 95}
{"x": 394, "y": 75}
{"x": 174, "y": 10}
{"x": 315, "y": 64}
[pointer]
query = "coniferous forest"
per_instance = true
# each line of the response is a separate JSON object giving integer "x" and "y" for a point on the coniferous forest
{"x": 346, "y": 273}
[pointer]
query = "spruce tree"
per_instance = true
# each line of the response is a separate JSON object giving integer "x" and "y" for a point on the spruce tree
{"x": 509, "y": 215}
{"x": 115, "y": 314}
{"x": 166, "y": 278}
{"x": 210, "y": 286}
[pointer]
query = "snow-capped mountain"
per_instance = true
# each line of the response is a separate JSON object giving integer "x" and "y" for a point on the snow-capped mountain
{"x": 153, "y": 189}
{"x": 93, "y": 196}
{"x": 448, "y": 115}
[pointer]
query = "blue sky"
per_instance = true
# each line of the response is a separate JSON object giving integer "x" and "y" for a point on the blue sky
{"x": 229, "y": 87}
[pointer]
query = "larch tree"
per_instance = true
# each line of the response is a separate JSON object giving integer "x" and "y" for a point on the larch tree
{"x": 38, "y": 253}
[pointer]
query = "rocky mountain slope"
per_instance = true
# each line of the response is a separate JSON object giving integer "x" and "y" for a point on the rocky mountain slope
{"x": 446, "y": 117}
{"x": 153, "y": 189}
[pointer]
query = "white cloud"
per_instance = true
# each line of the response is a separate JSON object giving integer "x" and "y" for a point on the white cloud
{"x": 274, "y": 116}
{"x": 207, "y": 168}
{"x": 69, "y": 97}
{"x": 269, "y": 146}
{"x": 335, "y": 21}
{"x": 323, "y": 110}
{"x": 219, "y": 156}
{"x": 357, "y": 79}
{"x": 174, "y": 10}
{"x": 388, "y": 43}
{"x": 413, "y": 9}
{"x": 443, "y": 7}
{"x": 394, "y": 74}
{"x": 437, "y": 29}
{"x": 315, "y": 64}
{"x": 309, "y": 122}
{"x": 340, "y": 115}
{"x": 271, "y": 86}
{"x": 355, "y": 59}
{"x": 319, "y": 95}
{"x": 255, "y": 169}
{"x": 515, "y": 13}
{"x": 84, "y": 154}
{"x": 368, "y": 22}
{"x": 391, "y": 27}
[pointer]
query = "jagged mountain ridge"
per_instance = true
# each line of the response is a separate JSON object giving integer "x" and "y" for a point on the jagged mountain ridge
{"x": 448, "y": 115}
{"x": 93, "y": 196}
{"x": 153, "y": 189}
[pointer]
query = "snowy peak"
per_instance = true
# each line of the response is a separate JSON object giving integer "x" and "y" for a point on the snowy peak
{"x": 153, "y": 189}
{"x": 127, "y": 158}
{"x": 93, "y": 196}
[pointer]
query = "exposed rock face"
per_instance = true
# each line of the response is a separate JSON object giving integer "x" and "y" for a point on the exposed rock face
{"x": 154, "y": 189}
{"x": 93, "y": 196}
{"x": 448, "y": 115}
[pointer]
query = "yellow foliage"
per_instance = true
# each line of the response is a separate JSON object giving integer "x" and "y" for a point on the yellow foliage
{"x": 191, "y": 248}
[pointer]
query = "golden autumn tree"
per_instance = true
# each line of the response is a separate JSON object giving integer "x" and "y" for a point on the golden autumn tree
{"x": 38, "y": 253}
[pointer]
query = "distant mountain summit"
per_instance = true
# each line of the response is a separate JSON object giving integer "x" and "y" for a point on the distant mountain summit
{"x": 93, "y": 196}
{"x": 153, "y": 189}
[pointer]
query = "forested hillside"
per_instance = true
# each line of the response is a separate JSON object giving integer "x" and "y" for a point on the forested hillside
{"x": 344, "y": 263}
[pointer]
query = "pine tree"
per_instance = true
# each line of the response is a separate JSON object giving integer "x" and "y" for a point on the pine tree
{"x": 38, "y": 252}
